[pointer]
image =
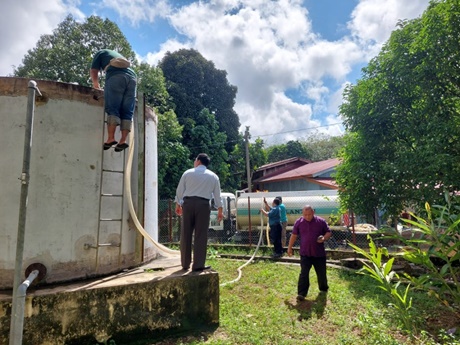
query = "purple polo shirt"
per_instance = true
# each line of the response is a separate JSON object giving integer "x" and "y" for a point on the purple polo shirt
{"x": 309, "y": 232}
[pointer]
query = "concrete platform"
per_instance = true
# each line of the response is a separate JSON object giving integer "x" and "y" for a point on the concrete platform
{"x": 155, "y": 297}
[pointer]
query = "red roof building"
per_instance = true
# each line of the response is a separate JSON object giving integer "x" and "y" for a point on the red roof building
{"x": 296, "y": 174}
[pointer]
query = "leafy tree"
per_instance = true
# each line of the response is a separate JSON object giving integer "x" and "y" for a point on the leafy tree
{"x": 257, "y": 158}
{"x": 285, "y": 151}
{"x": 205, "y": 137}
{"x": 195, "y": 84}
{"x": 152, "y": 84}
{"x": 66, "y": 54}
{"x": 321, "y": 146}
{"x": 203, "y": 101}
{"x": 173, "y": 157}
{"x": 403, "y": 116}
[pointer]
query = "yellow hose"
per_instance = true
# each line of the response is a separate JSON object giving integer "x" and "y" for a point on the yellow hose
{"x": 132, "y": 212}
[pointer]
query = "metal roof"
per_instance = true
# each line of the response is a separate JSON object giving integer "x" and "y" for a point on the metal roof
{"x": 310, "y": 171}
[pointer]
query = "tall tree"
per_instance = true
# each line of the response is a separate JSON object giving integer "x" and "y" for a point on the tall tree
{"x": 321, "y": 146}
{"x": 257, "y": 158}
{"x": 205, "y": 137}
{"x": 66, "y": 54}
{"x": 292, "y": 148}
{"x": 195, "y": 84}
{"x": 173, "y": 156}
{"x": 200, "y": 92}
{"x": 404, "y": 117}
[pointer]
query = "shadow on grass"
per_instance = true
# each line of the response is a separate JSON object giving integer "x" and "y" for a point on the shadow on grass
{"x": 308, "y": 307}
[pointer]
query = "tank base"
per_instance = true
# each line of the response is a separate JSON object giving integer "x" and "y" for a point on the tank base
{"x": 157, "y": 297}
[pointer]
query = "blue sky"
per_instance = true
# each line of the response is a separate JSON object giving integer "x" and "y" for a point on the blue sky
{"x": 290, "y": 59}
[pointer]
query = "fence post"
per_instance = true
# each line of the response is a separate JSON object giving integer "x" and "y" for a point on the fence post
{"x": 249, "y": 220}
{"x": 170, "y": 219}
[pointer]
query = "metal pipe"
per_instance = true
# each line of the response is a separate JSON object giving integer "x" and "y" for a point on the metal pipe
{"x": 17, "y": 315}
{"x": 20, "y": 302}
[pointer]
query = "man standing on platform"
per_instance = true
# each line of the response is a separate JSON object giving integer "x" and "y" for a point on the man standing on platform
{"x": 196, "y": 188}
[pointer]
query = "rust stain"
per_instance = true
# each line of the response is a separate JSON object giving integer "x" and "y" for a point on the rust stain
{"x": 150, "y": 115}
{"x": 14, "y": 87}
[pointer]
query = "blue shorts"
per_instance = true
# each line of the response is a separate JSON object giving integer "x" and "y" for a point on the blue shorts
{"x": 120, "y": 96}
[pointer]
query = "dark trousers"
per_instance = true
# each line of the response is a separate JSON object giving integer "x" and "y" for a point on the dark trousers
{"x": 195, "y": 222}
{"x": 306, "y": 262}
{"x": 275, "y": 237}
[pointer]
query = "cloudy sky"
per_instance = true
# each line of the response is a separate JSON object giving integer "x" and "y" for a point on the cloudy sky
{"x": 290, "y": 59}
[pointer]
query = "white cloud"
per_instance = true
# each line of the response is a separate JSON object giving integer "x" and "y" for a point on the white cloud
{"x": 268, "y": 49}
{"x": 374, "y": 20}
{"x": 137, "y": 11}
{"x": 24, "y": 22}
{"x": 169, "y": 46}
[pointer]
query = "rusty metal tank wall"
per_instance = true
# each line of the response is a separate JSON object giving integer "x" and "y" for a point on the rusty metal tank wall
{"x": 62, "y": 226}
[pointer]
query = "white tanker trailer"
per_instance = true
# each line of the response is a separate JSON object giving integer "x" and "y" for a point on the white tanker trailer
{"x": 242, "y": 212}
{"x": 248, "y": 205}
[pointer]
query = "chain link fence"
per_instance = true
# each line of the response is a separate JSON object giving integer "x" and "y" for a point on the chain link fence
{"x": 243, "y": 220}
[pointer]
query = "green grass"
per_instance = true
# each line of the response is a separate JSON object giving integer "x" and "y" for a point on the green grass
{"x": 261, "y": 309}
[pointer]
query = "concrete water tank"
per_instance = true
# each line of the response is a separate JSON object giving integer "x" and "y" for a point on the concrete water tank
{"x": 78, "y": 223}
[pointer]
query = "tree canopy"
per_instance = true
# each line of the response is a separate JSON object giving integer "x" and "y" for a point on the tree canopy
{"x": 322, "y": 146}
{"x": 195, "y": 84}
{"x": 66, "y": 54}
{"x": 203, "y": 100}
{"x": 403, "y": 117}
{"x": 292, "y": 148}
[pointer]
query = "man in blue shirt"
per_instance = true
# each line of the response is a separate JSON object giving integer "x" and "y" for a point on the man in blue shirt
{"x": 119, "y": 95}
{"x": 313, "y": 232}
{"x": 274, "y": 220}
{"x": 196, "y": 187}
{"x": 283, "y": 222}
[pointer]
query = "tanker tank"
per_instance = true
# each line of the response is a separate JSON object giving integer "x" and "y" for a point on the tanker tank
{"x": 325, "y": 203}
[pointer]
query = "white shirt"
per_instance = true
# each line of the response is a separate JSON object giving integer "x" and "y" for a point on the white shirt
{"x": 200, "y": 182}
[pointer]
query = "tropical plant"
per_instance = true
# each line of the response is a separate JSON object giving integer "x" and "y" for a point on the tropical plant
{"x": 434, "y": 245}
{"x": 388, "y": 280}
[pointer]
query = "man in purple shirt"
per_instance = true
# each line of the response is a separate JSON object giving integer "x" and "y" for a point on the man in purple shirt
{"x": 313, "y": 231}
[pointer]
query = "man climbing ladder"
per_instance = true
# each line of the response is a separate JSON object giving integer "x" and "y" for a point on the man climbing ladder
{"x": 119, "y": 94}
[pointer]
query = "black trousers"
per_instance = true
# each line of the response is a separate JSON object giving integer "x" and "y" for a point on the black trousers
{"x": 306, "y": 262}
{"x": 195, "y": 224}
{"x": 275, "y": 237}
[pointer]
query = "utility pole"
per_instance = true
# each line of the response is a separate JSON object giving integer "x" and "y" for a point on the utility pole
{"x": 248, "y": 170}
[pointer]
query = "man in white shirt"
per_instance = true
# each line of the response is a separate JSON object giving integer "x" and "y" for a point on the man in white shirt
{"x": 196, "y": 187}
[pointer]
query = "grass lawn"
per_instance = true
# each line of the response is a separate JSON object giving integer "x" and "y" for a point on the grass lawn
{"x": 261, "y": 308}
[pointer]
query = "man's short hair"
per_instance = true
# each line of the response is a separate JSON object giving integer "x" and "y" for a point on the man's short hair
{"x": 276, "y": 201}
{"x": 279, "y": 198}
{"x": 204, "y": 159}
{"x": 308, "y": 207}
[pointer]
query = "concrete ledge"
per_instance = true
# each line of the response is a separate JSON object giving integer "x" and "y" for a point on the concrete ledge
{"x": 152, "y": 298}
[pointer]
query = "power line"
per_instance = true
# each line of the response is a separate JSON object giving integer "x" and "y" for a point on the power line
{"x": 296, "y": 130}
{"x": 265, "y": 135}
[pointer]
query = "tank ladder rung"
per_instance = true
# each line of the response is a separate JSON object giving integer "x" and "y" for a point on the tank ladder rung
{"x": 110, "y": 228}
{"x": 113, "y": 171}
{"x": 92, "y": 246}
